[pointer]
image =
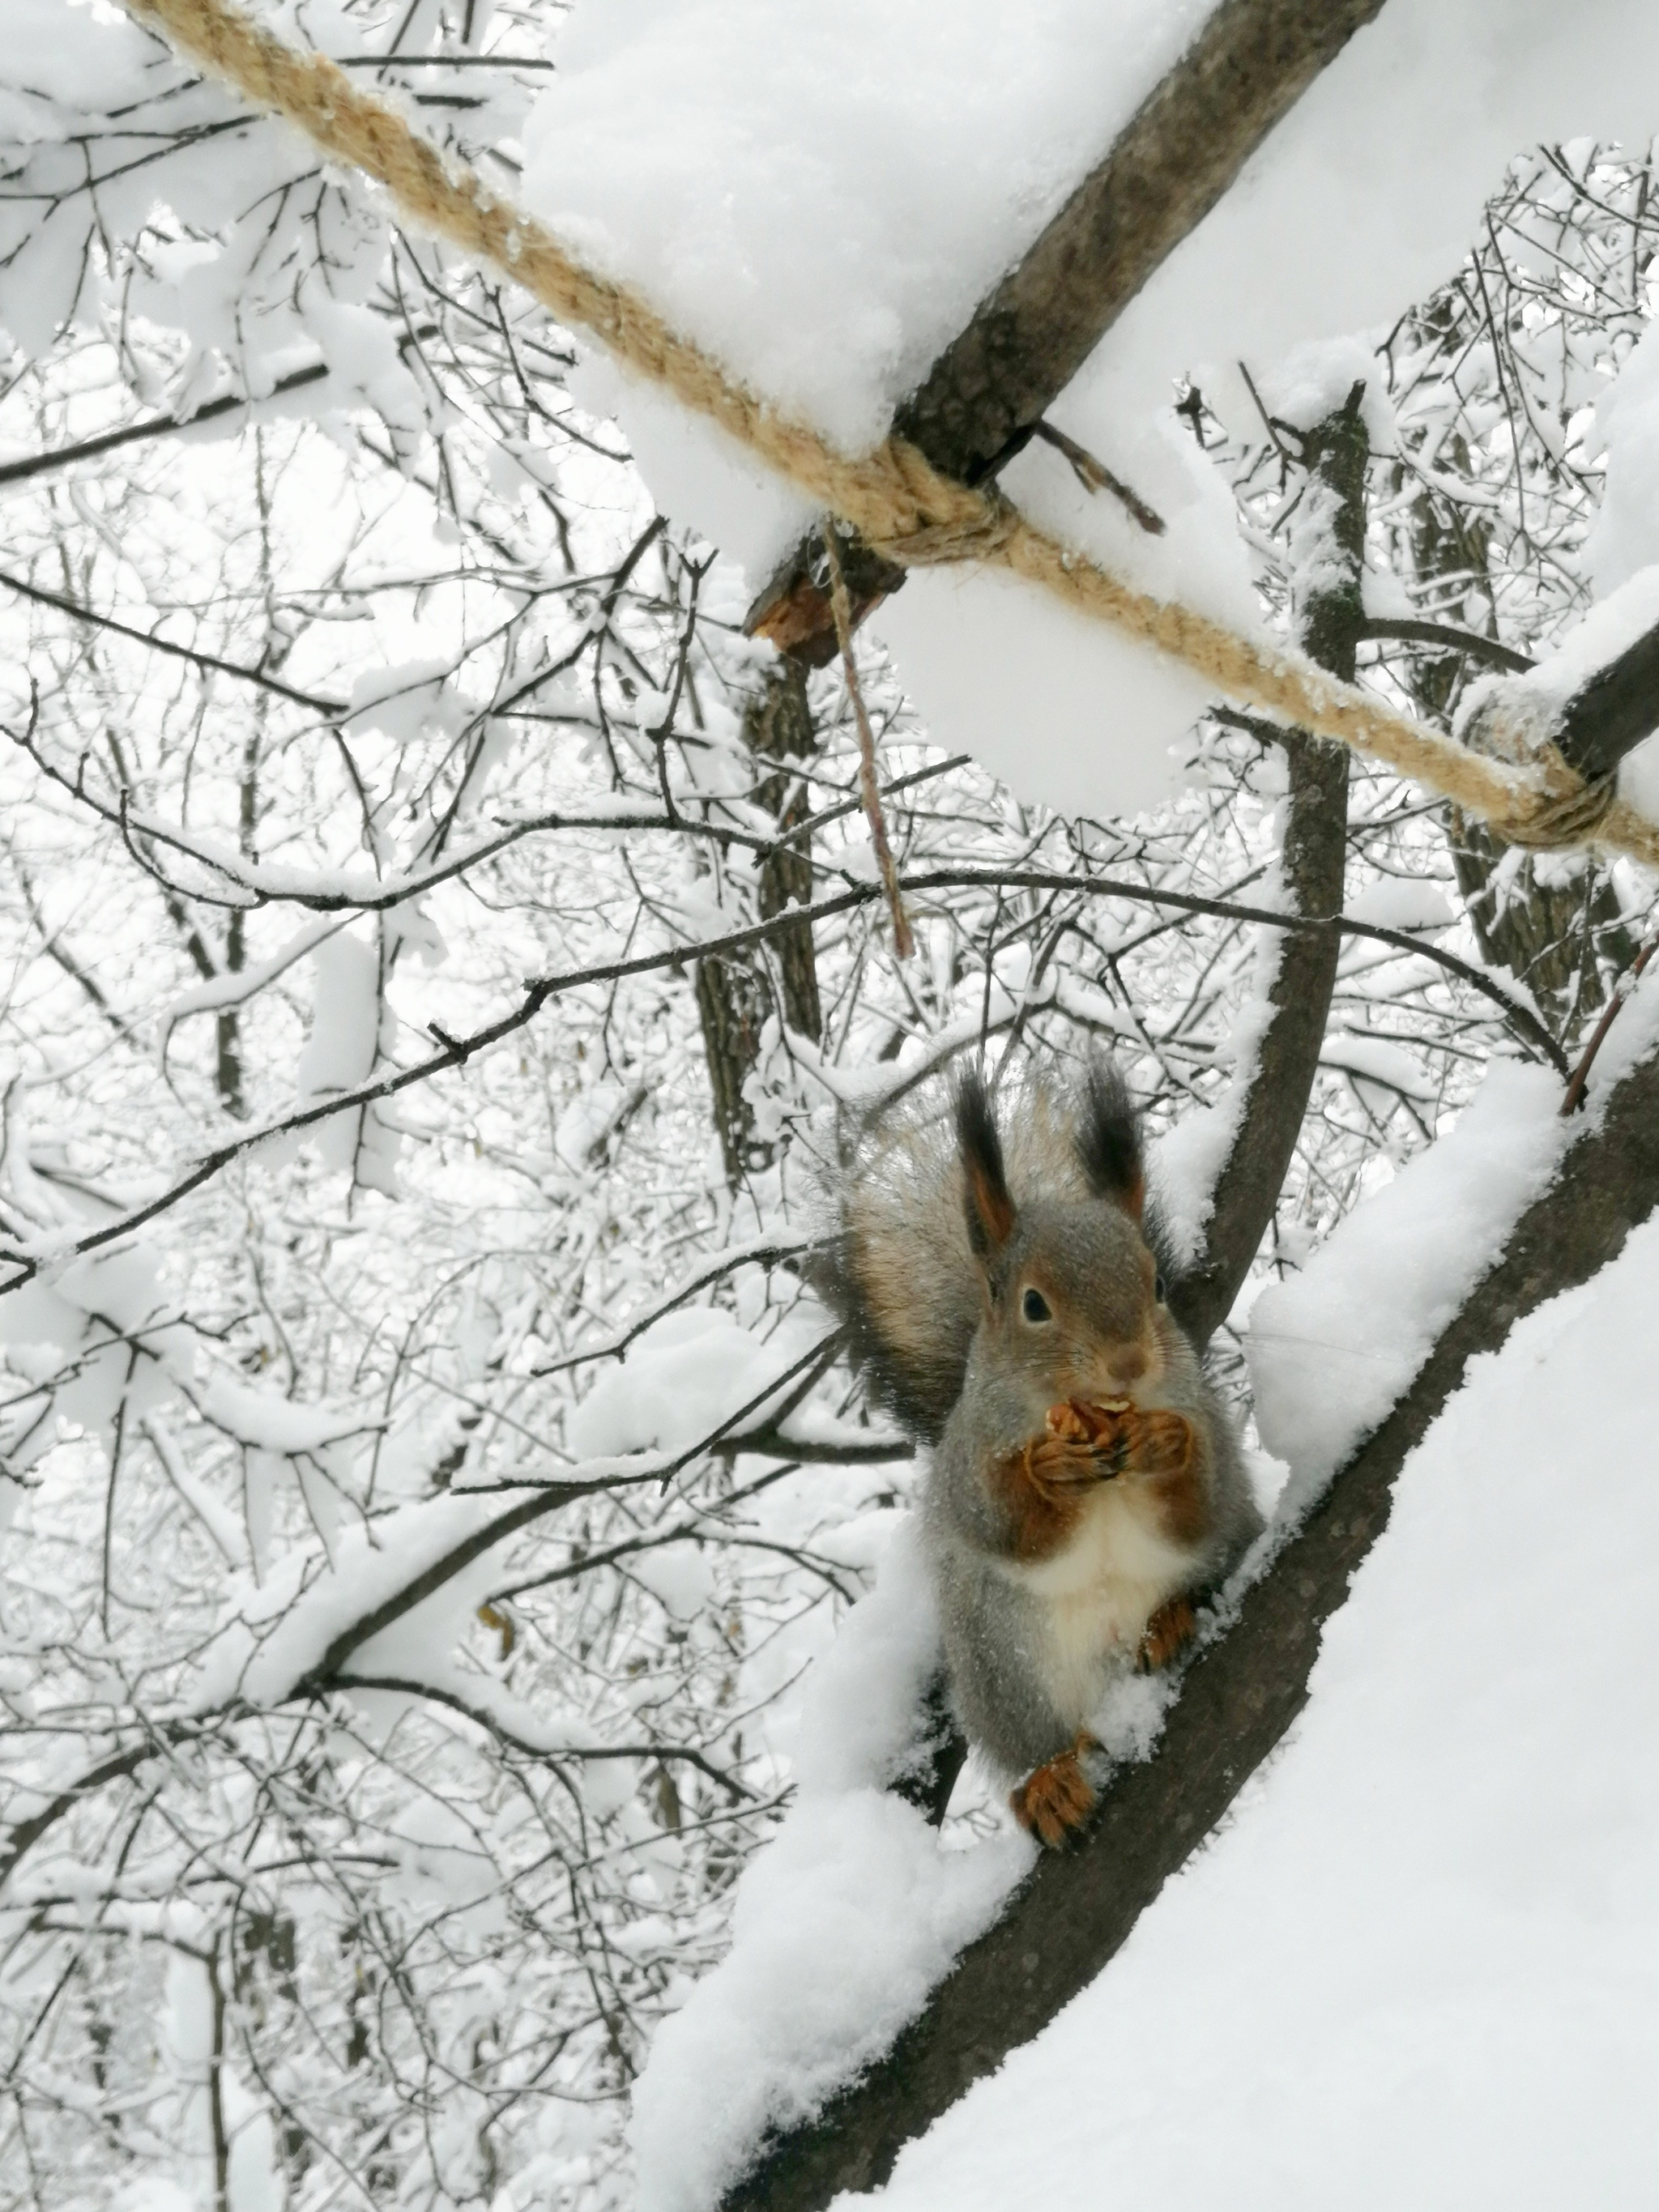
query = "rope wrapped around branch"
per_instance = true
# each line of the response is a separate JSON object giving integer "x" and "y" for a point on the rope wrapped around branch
{"x": 893, "y": 497}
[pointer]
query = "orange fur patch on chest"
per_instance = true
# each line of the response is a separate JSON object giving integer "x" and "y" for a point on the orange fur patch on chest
{"x": 1042, "y": 1515}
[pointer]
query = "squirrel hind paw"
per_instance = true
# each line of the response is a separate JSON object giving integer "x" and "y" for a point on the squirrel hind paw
{"x": 1054, "y": 1800}
{"x": 1167, "y": 1634}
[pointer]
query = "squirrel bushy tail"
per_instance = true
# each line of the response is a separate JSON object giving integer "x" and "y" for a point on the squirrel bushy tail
{"x": 902, "y": 1276}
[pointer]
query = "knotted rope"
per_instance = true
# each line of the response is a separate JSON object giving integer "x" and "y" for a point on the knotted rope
{"x": 893, "y": 498}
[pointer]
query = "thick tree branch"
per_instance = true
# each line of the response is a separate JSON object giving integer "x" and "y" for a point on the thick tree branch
{"x": 1287, "y": 1058}
{"x": 1616, "y": 709}
{"x": 735, "y": 997}
{"x": 1247, "y": 66}
{"x": 1238, "y": 1700}
{"x": 1335, "y": 452}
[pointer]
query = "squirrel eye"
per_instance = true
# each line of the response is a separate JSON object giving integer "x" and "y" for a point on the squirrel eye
{"x": 1159, "y": 1288}
{"x": 1035, "y": 1307}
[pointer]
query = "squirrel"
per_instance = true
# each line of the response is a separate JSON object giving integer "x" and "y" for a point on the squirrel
{"x": 1004, "y": 1301}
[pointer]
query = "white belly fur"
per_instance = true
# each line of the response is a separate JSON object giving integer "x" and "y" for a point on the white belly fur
{"x": 1100, "y": 1592}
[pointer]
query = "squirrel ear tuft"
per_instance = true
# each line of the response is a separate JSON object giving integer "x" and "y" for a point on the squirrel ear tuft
{"x": 990, "y": 1209}
{"x": 1109, "y": 1138}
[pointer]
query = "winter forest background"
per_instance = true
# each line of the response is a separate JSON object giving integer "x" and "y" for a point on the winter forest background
{"x": 428, "y": 1479}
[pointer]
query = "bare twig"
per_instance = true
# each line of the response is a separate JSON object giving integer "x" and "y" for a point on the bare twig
{"x": 455, "y": 1052}
{"x": 904, "y": 944}
{"x": 1452, "y": 640}
{"x": 206, "y": 661}
{"x": 109, "y": 442}
{"x": 1094, "y": 475}
{"x": 1578, "y": 1081}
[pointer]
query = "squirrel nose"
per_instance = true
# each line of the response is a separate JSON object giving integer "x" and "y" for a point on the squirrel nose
{"x": 1128, "y": 1364}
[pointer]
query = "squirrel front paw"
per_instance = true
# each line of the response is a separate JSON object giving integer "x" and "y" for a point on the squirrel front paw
{"x": 1054, "y": 1802}
{"x": 1055, "y": 1465}
{"x": 1081, "y": 1443}
{"x": 1123, "y": 1437}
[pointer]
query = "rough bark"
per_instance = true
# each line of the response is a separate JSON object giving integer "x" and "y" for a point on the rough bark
{"x": 780, "y": 728}
{"x": 735, "y": 992}
{"x": 1249, "y": 64}
{"x": 731, "y": 1013}
{"x": 1556, "y": 934}
{"x": 1238, "y": 1700}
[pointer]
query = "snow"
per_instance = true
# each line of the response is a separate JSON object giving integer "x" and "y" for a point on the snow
{"x": 1378, "y": 1060}
{"x": 1519, "y": 712}
{"x": 842, "y": 1924}
{"x": 1421, "y": 1965}
{"x": 92, "y": 1311}
{"x": 348, "y": 1030}
{"x": 273, "y": 1634}
{"x": 1070, "y": 713}
{"x": 1367, "y": 196}
{"x": 1401, "y": 902}
{"x": 237, "y": 984}
{"x": 1186, "y": 1160}
{"x": 821, "y": 200}
{"x": 1625, "y": 534}
{"x": 345, "y": 1023}
{"x": 682, "y": 1377}
{"x": 849, "y": 1917}
{"x": 1333, "y": 1346}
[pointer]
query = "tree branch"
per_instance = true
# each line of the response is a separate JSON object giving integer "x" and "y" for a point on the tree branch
{"x": 1335, "y": 452}
{"x": 531, "y": 1503}
{"x": 1452, "y": 640}
{"x": 1247, "y": 66}
{"x": 1287, "y": 1058}
{"x": 208, "y": 662}
{"x": 159, "y": 426}
{"x": 455, "y": 1052}
{"x": 1616, "y": 709}
{"x": 1237, "y": 1700}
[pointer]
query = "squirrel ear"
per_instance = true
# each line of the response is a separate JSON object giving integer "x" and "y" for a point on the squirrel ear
{"x": 990, "y": 1209}
{"x": 1109, "y": 1138}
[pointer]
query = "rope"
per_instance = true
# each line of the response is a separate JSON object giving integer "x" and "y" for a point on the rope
{"x": 893, "y": 498}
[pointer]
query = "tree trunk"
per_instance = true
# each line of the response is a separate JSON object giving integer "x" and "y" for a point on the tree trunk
{"x": 737, "y": 992}
{"x": 1553, "y": 934}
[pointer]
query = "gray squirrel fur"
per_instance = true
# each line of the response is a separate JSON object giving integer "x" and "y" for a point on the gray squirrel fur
{"x": 950, "y": 1222}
